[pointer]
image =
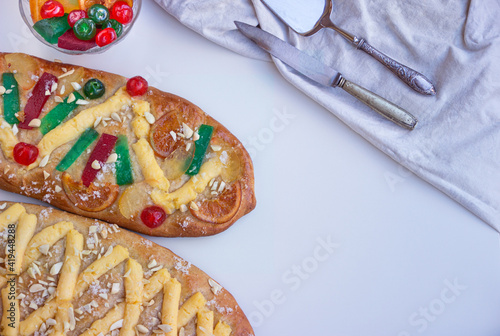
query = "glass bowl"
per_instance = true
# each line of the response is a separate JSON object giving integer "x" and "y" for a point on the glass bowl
{"x": 24, "y": 7}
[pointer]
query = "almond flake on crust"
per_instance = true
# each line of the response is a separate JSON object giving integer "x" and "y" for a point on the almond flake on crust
{"x": 82, "y": 102}
{"x": 216, "y": 148}
{"x": 187, "y": 131}
{"x": 76, "y": 86}
{"x": 66, "y": 73}
{"x": 214, "y": 286}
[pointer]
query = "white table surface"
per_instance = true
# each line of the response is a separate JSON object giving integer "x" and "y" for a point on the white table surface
{"x": 406, "y": 259}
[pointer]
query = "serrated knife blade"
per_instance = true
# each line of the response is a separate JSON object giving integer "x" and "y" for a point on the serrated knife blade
{"x": 324, "y": 74}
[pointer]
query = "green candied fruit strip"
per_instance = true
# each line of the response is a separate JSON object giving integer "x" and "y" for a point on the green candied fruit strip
{"x": 11, "y": 103}
{"x": 51, "y": 29}
{"x": 78, "y": 148}
{"x": 123, "y": 166}
{"x": 201, "y": 145}
{"x": 59, "y": 113}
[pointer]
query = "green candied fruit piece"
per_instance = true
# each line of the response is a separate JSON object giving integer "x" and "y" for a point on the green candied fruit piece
{"x": 50, "y": 29}
{"x": 112, "y": 23}
{"x": 94, "y": 89}
{"x": 123, "y": 166}
{"x": 78, "y": 148}
{"x": 201, "y": 145}
{"x": 11, "y": 103}
{"x": 59, "y": 113}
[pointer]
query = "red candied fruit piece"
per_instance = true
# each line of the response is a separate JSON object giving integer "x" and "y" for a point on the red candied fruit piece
{"x": 100, "y": 153}
{"x": 38, "y": 99}
{"x": 25, "y": 153}
{"x": 153, "y": 216}
{"x": 69, "y": 41}
{"x": 51, "y": 8}
{"x": 105, "y": 37}
{"x": 76, "y": 15}
{"x": 122, "y": 12}
{"x": 137, "y": 86}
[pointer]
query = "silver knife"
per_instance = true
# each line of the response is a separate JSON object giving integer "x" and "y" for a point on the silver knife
{"x": 325, "y": 75}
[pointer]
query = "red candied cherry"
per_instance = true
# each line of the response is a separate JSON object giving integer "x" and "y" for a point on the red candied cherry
{"x": 105, "y": 37}
{"x": 76, "y": 15}
{"x": 51, "y": 9}
{"x": 137, "y": 86}
{"x": 25, "y": 153}
{"x": 122, "y": 12}
{"x": 153, "y": 216}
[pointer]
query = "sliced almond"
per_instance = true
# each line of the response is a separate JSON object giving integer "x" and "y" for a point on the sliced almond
{"x": 76, "y": 86}
{"x": 56, "y": 268}
{"x": 112, "y": 158}
{"x": 71, "y": 98}
{"x": 96, "y": 165}
{"x": 35, "y": 123}
{"x": 149, "y": 117}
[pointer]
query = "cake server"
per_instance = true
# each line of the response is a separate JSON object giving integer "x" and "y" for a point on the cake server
{"x": 307, "y": 17}
{"x": 325, "y": 75}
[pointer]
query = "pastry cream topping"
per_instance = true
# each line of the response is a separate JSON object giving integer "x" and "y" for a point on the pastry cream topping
{"x": 139, "y": 124}
{"x": 133, "y": 297}
{"x": 149, "y": 166}
{"x": 188, "y": 192}
{"x": 73, "y": 282}
{"x": 74, "y": 127}
{"x": 7, "y": 138}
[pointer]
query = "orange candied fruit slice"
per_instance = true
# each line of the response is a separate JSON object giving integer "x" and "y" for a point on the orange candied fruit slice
{"x": 161, "y": 140}
{"x": 94, "y": 198}
{"x": 222, "y": 208}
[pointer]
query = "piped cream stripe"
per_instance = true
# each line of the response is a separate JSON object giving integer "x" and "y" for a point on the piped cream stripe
{"x": 189, "y": 309}
{"x": 205, "y": 324}
{"x": 152, "y": 172}
{"x": 11, "y": 215}
{"x": 222, "y": 329}
{"x": 7, "y": 138}
{"x": 99, "y": 267}
{"x": 170, "y": 308}
{"x": 48, "y": 236}
{"x": 24, "y": 232}
{"x": 133, "y": 297}
{"x": 67, "y": 283}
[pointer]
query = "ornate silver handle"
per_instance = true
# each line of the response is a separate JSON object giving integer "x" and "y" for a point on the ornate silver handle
{"x": 413, "y": 78}
{"x": 384, "y": 107}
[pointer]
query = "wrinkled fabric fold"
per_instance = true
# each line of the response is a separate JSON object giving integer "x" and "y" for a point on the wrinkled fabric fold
{"x": 456, "y": 44}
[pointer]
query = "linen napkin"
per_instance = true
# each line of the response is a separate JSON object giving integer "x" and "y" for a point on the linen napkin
{"x": 456, "y": 44}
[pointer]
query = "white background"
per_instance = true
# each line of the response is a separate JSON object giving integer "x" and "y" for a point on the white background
{"x": 407, "y": 259}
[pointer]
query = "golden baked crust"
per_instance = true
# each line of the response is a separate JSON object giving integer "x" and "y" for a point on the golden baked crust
{"x": 46, "y": 183}
{"x": 66, "y": 248}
